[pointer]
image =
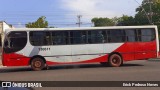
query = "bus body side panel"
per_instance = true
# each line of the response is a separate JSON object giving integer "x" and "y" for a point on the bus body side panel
{"x": 90, "y": 53}
{"x": 151, "y": 49}
{"x": 137, "y": 50}
{"x": 145, "y": 50}
{"x": 99, "y": 59}
{"x": 80, "y": 53}
{"x": 127, "y": 50}
{"x": 87, "y": 52}
{"x": 14, "y": 59}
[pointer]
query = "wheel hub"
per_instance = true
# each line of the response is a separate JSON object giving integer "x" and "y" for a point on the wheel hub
{"x": 115, "y": 60}
{"x": 38, "y": 64}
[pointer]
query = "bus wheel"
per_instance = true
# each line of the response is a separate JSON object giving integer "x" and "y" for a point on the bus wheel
{"x": 37, "y": 64}
{"x": 115, "y": 60}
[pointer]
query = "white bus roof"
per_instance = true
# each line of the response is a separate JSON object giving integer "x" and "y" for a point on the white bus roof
{"x": 80, "y": 28}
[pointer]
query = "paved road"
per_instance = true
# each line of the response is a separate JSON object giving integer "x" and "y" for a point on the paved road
{"x": 131, "y": 71}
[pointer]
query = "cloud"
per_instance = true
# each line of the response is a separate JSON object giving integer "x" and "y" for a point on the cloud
{"x": 87, "y": 8}
{"x": 96, "y": 8}
{"x": 100, "y": 8}
{"x": 20, "y": 25}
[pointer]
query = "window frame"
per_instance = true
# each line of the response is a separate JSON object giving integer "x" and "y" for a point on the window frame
{"x": 43, "y": 42}
{"x": 8, "y": 48}
{"x": 71, "y": 37}
{"x": 103, "y": 30}
{"x": 122, "y": 36}
{"x": 139, "y": 35}
{"x": 135, "y": 35}
{"x": 67, "y": 41}
{"x": 105, "y": 33}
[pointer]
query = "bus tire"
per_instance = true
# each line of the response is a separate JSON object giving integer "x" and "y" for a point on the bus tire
{"x": 115, "y": 60}
{"x": 37, "y": 64}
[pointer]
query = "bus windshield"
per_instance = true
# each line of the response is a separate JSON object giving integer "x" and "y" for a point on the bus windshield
{"x": 15, "y": 41}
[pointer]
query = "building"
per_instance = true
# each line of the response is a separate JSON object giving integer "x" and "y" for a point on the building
{"x": 3, "y": 26}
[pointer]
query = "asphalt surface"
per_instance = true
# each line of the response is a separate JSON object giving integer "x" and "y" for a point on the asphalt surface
{"x": 130, "y": 71}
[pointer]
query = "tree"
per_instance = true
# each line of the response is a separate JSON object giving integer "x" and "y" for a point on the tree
{"x": 40, "y": 23}
{"x": 126, "y": 21}
{"x": 148, "y": 12}
{"x": 120, "y": 21}
{"x": 102, "y": 22}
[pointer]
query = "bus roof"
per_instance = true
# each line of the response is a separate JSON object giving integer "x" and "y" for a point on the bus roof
{"x": 80, "y": 28}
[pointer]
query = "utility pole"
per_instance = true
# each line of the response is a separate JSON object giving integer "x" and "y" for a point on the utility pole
{"x": 79, "y": 20}
{"x": 151, "y": 13}
{"x": 147, "y": 15}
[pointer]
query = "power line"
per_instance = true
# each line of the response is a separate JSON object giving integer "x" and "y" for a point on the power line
{"x": 149, "y": 19}
{"x": 55, "y": 24}
{"x": 150, "y": 4}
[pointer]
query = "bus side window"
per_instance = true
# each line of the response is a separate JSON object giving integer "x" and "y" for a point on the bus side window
{"x": 15, "y": 41}
{"x": 77, "y": 37}
{"x": 116, "y": 36}
{"x": 96, "y": 36}
{"x": 146, "y": 35}
{"x": 130, "y": 35}
{"x": 59, "y": 37}
{"x": 40, "y": 38}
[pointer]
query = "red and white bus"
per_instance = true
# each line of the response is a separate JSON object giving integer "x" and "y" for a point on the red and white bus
{"x": 40, "y": 47}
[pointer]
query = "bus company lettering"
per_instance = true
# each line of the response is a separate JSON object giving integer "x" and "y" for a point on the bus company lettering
{"x": 26, "y": 84}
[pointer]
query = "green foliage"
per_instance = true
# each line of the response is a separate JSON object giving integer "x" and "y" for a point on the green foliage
{"x": 143, "y": 16}
{"x": 102, "y": 22}
{"x": 126, "y": 21}
{"x": 40, "y": 23}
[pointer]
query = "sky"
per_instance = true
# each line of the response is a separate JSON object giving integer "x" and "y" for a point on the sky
{"x": 63, "y": 13}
